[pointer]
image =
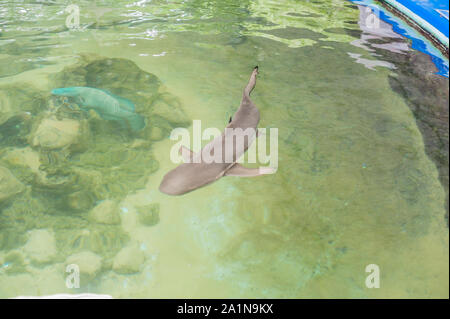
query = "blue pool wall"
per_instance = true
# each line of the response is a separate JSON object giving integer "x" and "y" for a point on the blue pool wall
{"x": 418, "y": 41}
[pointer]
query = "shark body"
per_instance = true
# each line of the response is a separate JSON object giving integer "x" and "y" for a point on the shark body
{"x": 195, "y": 172}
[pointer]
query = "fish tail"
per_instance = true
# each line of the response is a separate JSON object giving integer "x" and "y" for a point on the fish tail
{"x": 136, "y": 122}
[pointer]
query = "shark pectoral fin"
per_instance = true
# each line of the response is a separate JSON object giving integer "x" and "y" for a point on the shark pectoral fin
{"x": 187, "y": 154}
{"x": 239, "y": 170}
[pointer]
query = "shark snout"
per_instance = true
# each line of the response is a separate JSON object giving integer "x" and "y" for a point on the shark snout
{"x": 171, "y": 188}
{"x": 175, "y": 183}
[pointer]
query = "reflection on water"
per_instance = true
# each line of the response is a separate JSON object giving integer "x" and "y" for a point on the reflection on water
{"x": 354, "y": 186}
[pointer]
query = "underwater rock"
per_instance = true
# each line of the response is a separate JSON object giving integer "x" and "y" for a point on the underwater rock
{"x": 6, "y": 108}
{"x": 9, "y": 185}
{"x": 128, "y": 260}
{"x": 156, "y": 133}
{"x": 41, "y": 246}
{"x": 140, "y": 143}
{"x": 81, "y": 200}
{"x": 15, "y": 127}
{"x": 148, "y": 215}
{"x": 12, "y": 262}
{"x": 105, "y": 240}
{"x": 120, "y": 74}
{"x": 70, "y": 159}
{"x": 171, "y": 110}
{"x": 122, "y": 169}
{"x": 88, "y": 262}
{"x": 25, "y": 156}
{"x": 24, "y": 163}
{"x": 59, "y": 182}
{"x": 34, "y": 210}
{"x": 107, "y": 212}
{"x": 54, "y": 134}
{"x": 123, "y": 78}
{"x": 14, "y": 97}
{"x": 56, "y": 173}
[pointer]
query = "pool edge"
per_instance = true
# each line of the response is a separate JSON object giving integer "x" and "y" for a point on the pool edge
{"x": 439, "y": 40}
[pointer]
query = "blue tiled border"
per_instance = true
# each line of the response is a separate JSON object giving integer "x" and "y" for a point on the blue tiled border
{"x": 418, "y": 41}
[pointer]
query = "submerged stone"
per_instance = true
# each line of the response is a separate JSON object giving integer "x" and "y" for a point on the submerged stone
{"x": 120, "y": 77}
{"x": 169, "y": 108}
{"x": 123, "y": 79}
{"x": 9, "y": 185}
{"x": 54, "y": 134}
{"x": 18, "y": 104}
{"x": 81, "y": 200}
{"x": 128, "y": 260}
{"x": 41, "y": 246}
{"x": 16, "y": 99}
{"x": 15, "y": 127}
{"x": 156, "y": 134}
{"x": 72, "y": 160}
{"x": 148, "y": 215}
{"x": 89, "y": 263}
{"x": 107, "y": 212}
{"x": 105, "y": 240}
{"x": 12, "y": 262}
{"x": 23, "y": 157}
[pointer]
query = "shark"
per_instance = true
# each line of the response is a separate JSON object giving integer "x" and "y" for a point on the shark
{"x": 197, "y": 172}
{"x": 107, "y": 105}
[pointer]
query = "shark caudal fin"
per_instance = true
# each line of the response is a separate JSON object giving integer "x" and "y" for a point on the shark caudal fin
{"x": 251, "y": 83}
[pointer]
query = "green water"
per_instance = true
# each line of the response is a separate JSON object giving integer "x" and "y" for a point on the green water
{"x": 354, "y": 185}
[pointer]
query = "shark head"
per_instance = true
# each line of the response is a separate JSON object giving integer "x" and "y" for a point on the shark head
{"x": 170, "y": 186}
{"x": 175, "y": 183}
